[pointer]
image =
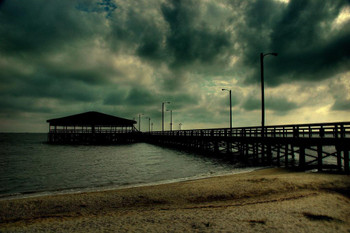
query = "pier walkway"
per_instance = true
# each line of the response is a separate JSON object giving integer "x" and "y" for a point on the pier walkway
{"x": 304, "y": 146}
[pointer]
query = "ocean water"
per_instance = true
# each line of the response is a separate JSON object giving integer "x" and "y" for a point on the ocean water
{"x": 30, "y": 166}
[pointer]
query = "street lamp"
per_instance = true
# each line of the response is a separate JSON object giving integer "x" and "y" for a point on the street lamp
{"x": 230, "y": 107}
{"x": 180, "y": 126}
{"x": 262, "y": 55}
{"x": 149, "y": 124}
{"x": 171, "y": 119}
{"x": 140, "y": 121}
{"x": 167, "y": 102}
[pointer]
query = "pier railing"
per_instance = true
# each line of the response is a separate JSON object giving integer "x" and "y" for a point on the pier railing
{"x": 323, "y": 130}
{"x": 89, "y": 131}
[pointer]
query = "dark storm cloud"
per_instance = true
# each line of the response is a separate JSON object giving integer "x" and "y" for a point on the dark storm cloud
{"x": 140, "y": 97}
{"x": 279, "y": 105}
{"x": 188, "y": 42}
{"x": 302, "y": 34}
{"x": 10, "y": 105}
{"x": 43, "y": 26}
{"x": 42, "y": 83}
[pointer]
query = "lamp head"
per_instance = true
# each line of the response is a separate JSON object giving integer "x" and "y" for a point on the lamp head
{"x": 223, "y": 89}
{"x": 275, "y": 54}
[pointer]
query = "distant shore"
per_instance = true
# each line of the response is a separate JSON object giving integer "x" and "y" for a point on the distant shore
{"x": 268, "y": 200}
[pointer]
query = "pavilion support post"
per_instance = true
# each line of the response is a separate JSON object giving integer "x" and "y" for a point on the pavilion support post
{"x": 302, "y": 157}
{"x": 319, "y": 158}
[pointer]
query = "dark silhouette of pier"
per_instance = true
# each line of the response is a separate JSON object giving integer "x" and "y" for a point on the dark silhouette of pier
{"x": 301, "y": 146}
{"x": 321, "y": 146}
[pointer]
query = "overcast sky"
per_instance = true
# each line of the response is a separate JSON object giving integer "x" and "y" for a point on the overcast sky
{"x": 125, "y": 58}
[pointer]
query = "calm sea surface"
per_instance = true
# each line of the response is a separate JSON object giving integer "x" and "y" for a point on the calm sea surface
{"x": 30, "y": 166}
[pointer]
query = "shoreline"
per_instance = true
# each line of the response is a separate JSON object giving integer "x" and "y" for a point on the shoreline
{"x": 32, "y": 194}
{"x": 265, "y": 200}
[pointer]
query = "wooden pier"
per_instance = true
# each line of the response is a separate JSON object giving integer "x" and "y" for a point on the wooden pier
{"x": 321, "y": 146}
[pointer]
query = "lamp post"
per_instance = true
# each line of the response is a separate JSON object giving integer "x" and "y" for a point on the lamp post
{"x": 230, "y": 107}
{"x": 180, "y": 126}
{"x": 171, "y": 119}
{"x": 262, "y": 55}
{"x": 140, "y": 121}
{"x": 149, "y": 124}
{"x": 167, "y": 102}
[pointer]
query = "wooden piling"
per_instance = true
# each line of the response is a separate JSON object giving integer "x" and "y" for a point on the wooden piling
{"x": 278, "y": 155}
{"x": 269, "y": 154}
{"x": 302, "y": 157}
{"x": 319, "y": 158}
{"x": 346, "y": 162}
{"x": 293, "y": 155}
{"x": 339, "y": 163}
{"x": 286, "y": 156}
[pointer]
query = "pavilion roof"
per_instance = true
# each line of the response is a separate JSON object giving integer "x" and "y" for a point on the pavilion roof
{"x": 91, "y": 119}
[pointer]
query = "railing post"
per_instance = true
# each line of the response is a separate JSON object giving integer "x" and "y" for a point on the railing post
{"x": 295, "y": 131}
{"x": 335, "y": 131}
{"x": 310, "y": 132}
{"x": 321, "y": 132}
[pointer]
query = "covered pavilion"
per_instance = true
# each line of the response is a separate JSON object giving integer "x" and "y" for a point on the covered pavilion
{"x": 90, "y": 127}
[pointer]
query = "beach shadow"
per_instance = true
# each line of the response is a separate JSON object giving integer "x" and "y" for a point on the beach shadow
{"x": 319, "y": 217}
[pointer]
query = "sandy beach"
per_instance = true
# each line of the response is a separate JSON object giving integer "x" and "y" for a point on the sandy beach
{"x": 268, "y": 200}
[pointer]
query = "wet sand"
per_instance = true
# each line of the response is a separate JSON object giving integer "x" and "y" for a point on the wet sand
{"x": 268, "y": 200}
